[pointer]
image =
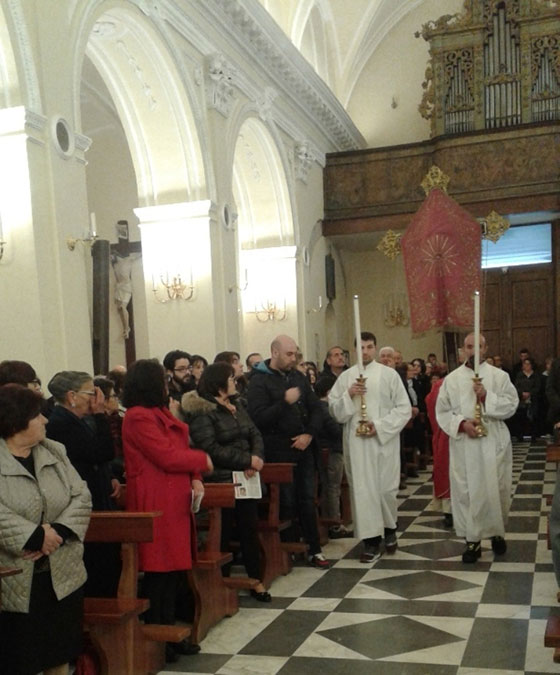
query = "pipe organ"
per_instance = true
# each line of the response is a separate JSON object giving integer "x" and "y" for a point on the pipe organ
{"x": 495, "y": 65}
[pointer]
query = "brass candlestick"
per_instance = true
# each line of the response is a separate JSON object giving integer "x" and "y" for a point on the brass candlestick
{"x": 480, "y": 427}
{"x": 363, "y": 428}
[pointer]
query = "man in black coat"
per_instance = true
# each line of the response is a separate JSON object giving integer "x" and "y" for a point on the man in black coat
{"x": 288, "y": 415}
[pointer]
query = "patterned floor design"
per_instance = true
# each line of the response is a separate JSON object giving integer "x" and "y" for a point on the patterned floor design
{"x": 418, "y": 612}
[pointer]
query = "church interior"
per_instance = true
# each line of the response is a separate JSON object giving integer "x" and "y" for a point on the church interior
{"x": 206, "y": 174}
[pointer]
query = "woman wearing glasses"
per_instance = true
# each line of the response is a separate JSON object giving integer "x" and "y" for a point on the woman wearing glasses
{"x": 78, "y": 421}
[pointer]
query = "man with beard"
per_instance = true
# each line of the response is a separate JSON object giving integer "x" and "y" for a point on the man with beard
{"x": 289, "y": 417}
{"x": 177, "y": 366}
{"x": 480, "y": 467}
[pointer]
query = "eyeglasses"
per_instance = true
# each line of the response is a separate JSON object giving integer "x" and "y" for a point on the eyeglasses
{"x": 182, "y": 369}
{"x": 87, "y": 393}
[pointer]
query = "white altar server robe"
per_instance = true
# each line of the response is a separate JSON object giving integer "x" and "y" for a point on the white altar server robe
{"x": 479, "y": 468}
{"x": 372, "y": 463}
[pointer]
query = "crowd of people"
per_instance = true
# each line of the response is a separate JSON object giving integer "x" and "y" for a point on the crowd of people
{"x": 166, "y": 428}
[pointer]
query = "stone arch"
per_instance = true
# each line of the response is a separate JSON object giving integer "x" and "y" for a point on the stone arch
{"x": 137, "y": 64}
{"x": 266, "y": 235}
{"x": 156, "y": 123}
{"x": 260, "y": 187}
{"x": 18, "y": 80}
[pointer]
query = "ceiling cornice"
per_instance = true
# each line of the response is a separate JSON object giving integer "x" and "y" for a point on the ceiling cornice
{"x": 246, "y": 28}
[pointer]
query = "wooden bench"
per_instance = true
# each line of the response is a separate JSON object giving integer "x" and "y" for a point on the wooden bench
{"x": 215, "y": 595}
{"x": 276, "y": 559}
{"x": 123, "y": 644}
{"x": 552, "y": 636}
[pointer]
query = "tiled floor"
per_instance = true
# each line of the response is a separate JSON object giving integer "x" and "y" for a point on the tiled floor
{"x": 420, "y": 611}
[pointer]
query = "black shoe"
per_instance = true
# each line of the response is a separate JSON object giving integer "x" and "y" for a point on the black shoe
{"x": 448, "y": 520}
{"x": 340, "y": 532}
{"x": 499, "y": 545}
{"x": 171, "y": 655}
{"x": 391, "y": 544}
{"x": 370, "y": 554}
{"x": 472, "y": 553}
{"x": 261, "y": 596}
{"x": 185, "y": 647}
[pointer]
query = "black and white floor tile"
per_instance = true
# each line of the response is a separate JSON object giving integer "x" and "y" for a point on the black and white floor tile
{"x": 418, "y": 612}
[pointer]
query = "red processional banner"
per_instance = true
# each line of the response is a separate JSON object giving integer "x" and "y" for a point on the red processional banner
{"x": 441, "y": 251}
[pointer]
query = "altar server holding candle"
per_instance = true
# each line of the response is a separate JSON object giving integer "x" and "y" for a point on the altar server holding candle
{"x": 480, "y": 467}
{"x": 372, "y": 461}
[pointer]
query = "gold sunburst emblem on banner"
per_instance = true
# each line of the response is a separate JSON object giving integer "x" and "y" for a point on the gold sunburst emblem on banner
{"x": 435, "y": 178}
{"x": 494, "y": 226}
{"x": 390, "y": 245}
{"x": 439, "y": 255}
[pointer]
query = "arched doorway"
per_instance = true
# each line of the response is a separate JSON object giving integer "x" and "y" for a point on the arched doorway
{"x": 136, "y": 104}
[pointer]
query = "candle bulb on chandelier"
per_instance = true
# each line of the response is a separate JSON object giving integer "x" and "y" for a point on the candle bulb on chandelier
{"x": 476, "y": 332}
{"x": 92, "y": 225}
{"x": 358, "y": 333}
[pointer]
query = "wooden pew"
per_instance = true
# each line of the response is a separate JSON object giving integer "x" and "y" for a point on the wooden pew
{"x": 215, "y": 596}
{"x": 552, "y": 636}
{"x": 276, "y": 559}
{"x": 553, "y": 453}
{"x": 7, "y": 572}
{"x": 124, "y": 645}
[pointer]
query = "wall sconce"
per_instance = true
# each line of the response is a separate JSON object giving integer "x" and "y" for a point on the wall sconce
{"x": 2, "y": 240}
{"x": 72, "y": 241}
{"x": 316, "y": 310}
{"x": 270, "y": 311}
{"x": 176, "y": 289}
{"x": 394, "y": 311}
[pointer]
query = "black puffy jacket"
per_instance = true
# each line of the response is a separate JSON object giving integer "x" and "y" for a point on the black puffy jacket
{"x": 229, "y": 439}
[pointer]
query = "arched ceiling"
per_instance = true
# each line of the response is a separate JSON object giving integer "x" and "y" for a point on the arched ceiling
{"x": 348, "y": 33}
{"x": 367, "y": 53}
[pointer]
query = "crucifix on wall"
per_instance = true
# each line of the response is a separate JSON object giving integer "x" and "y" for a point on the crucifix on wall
{"x": 123, "y": 255}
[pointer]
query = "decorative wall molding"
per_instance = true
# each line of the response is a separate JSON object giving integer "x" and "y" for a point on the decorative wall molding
{"x": 303, "y": 159}
{"x": 221, "y": 77}
{"x": 265, "y": 103}
{"x": 139, "y": 73}
{"x": 246, "y": 28}
{"x": 516, "y": 171}
{"x": 29, "y": 88}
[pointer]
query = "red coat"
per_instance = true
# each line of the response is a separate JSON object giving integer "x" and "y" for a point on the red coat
{"x": 159, "y": 468}
{"x": 440, "y": 445}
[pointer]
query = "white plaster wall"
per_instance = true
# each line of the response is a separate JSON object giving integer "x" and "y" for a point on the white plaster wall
{"x": 396, "y": 71}
{"x": 372, "y": 276}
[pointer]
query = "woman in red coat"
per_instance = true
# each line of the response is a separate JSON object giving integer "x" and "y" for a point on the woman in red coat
{"x": 162, "y": 474}
{"x": 440, "y": 453}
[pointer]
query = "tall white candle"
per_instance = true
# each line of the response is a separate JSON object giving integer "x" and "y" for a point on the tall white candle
{"x": 92, "y": 225}
{"x": 358, "y": 333}
{"x": 476, "y": 331}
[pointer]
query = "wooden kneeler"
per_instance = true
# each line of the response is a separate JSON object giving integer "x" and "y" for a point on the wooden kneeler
{"x": 215, "y": 596}
{"x": 276, "y": 558}
{"x": 123, "y": 644}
